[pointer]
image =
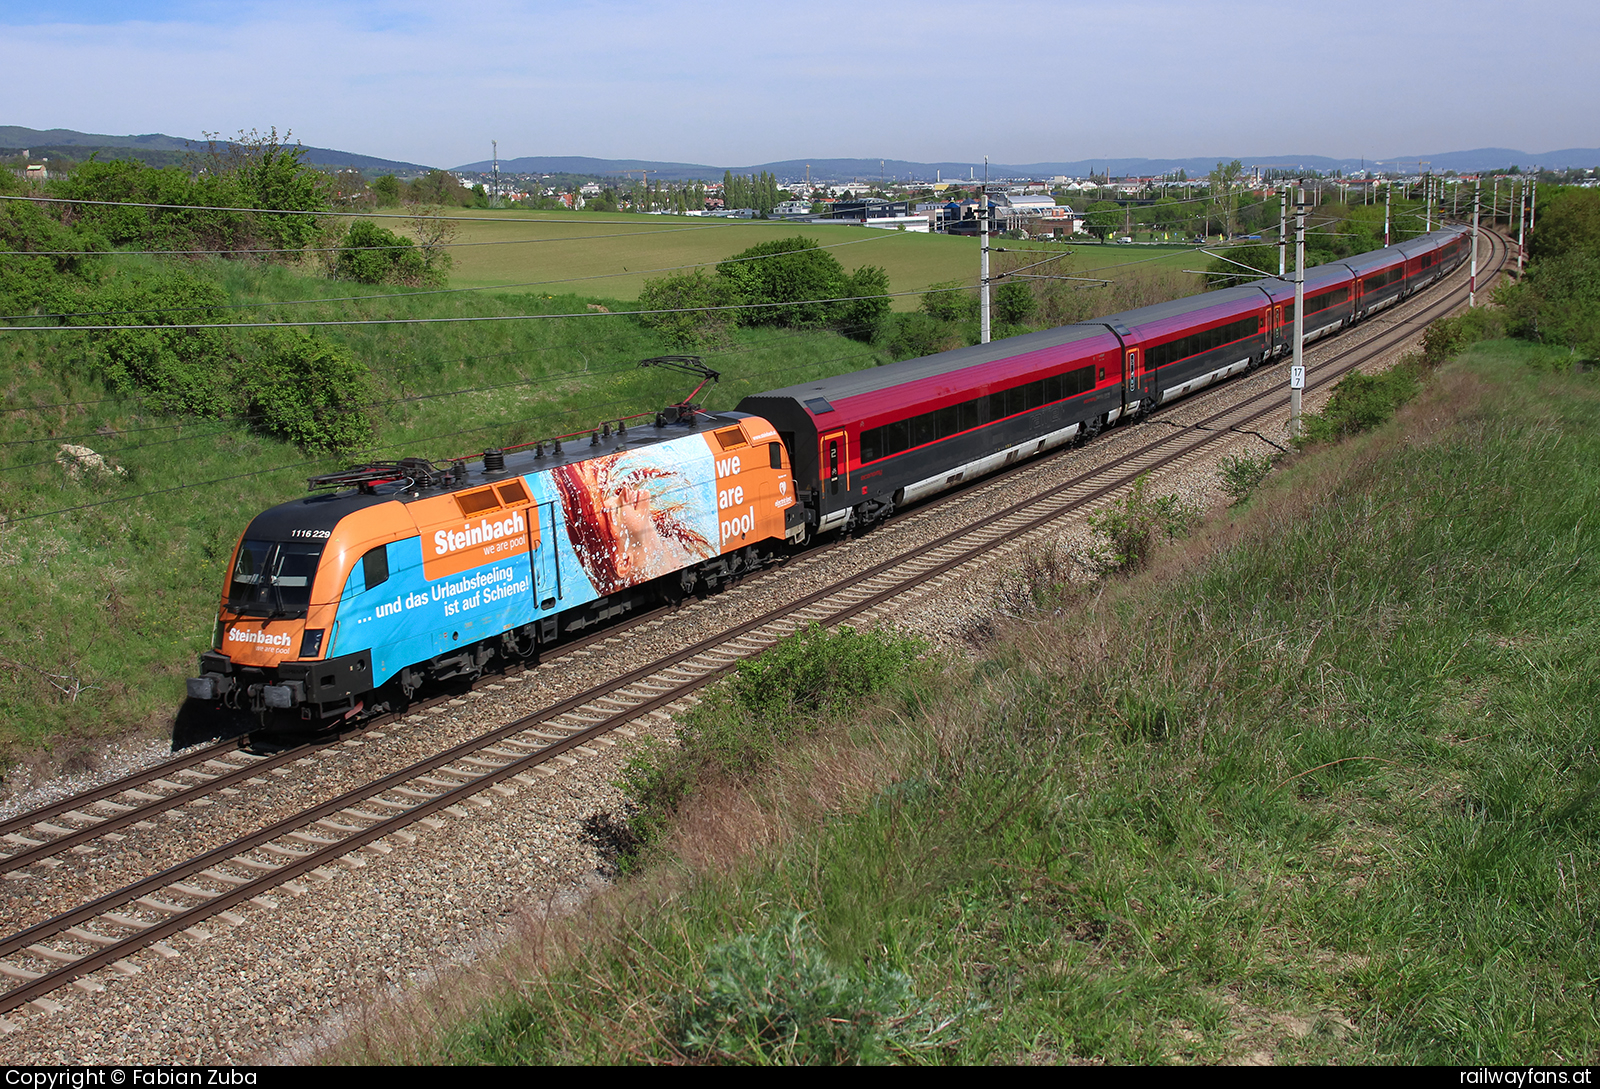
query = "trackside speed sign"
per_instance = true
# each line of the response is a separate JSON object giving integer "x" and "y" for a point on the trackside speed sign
{"x": 1297, "y": 378}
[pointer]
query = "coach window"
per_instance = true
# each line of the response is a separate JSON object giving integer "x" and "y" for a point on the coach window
{"x": 375, "y": 566}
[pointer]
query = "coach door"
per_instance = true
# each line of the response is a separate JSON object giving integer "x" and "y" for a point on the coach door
{"x": 835, "y": 461}
{"x": 1132, "y": 375}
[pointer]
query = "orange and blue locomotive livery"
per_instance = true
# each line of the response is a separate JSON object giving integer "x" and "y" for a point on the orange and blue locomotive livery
{"x": 401, "y": 573}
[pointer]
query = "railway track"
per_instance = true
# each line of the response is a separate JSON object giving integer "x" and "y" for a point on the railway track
{"x": 67, "y": 947}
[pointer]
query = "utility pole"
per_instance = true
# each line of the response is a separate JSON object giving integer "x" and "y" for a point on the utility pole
{"x": 1283, "y": 230}
{"x": 1522, "y": 224}
{"x": 1388, "y": 191}
{"x": 1297, "y": 371}
{"x": 1427, "y": 203}
{"x": 1494, "y": 203}
{"x": 983, "y": 268}
{"x": 1472, "y": 282}
{"x": 495, "y": 202}
{"x": 1533, "y": 199}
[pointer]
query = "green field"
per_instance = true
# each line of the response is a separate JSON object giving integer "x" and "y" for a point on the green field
{"x": 612, "y": 254}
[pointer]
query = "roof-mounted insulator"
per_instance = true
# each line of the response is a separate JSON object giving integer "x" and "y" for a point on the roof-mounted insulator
{"x": 494, "y": 461}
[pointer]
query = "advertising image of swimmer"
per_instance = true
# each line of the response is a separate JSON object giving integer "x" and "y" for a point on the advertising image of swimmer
{"x": 631, "y": 518}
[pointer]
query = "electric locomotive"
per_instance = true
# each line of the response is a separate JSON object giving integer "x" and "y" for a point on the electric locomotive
{"x": 399, "y": 573}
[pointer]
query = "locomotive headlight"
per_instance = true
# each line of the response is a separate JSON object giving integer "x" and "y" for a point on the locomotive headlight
{"x": 311, "y": 642}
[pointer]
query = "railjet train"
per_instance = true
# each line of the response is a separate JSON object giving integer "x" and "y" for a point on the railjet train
{"x": 395, "y": 574}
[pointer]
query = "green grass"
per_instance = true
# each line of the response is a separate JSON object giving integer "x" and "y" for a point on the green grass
{"x": 1320, "y": 786}
{"x": 570, "y": 252}
{"x": 613, "y": 254}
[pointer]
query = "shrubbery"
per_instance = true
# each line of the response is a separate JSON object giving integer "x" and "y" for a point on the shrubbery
{"x": 689, "y": 299}
{"x": 1241, "y": 474}
{"x": 1130, "y": 530}
{"x": 292, "y": 385}
{"x": 774, "y": 997}
{"x": 181, "y": 371}
{"x": 305, "y": 390}
{"x": 767, "y": 703}
{"x": 790, "y": 282}
{"x": 371, "y": 254}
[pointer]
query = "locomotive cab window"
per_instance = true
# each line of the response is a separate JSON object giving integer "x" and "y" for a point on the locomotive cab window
{"x": 775, "y": 451}
{"x": 273, "y": 578}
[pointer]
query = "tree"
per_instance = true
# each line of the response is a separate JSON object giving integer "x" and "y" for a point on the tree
{"x": 1222, "y": 181}
{"x": 434, "y": 237}
{"x": 1569, "y": 220}
{"x": 1102, "y": 217}
{"x": 1014, "y": 303}
{"x": 274, "y": 175}
{"x": 794, "y": 272}
{"x": 386, "y": 190}
{"x": 867, "y": 304}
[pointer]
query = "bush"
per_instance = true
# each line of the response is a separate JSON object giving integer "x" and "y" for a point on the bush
{"x": 773, "y": 997}
{"x": 792, "y": 271}
{"x": 1241, "y": 474}
{"x": 686, "y": 295}
{"x": 1558, "y": 302}
{"x": 867, "y": 305}
{"x": 1449, "y": 337}
{"x": 1132, "y": 529}
{"x": 912, "y": 335}
{"x": 371, "y": 254}
{"x": 950, "y": 301}
{"x": 1361, "y": 402}
{"x": 1014, "y": 304}
{"x": 765, "y": 704}
{"x": 301, "y": 388}
{"x": 183, "y": 371}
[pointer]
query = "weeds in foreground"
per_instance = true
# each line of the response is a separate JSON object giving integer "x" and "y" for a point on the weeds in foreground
{"x": 769, "y": 702}
{"x": 1242, "y": 474}
{"x": 1131, "y": 530}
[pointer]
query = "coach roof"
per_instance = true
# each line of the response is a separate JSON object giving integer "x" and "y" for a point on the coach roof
{"x": 932, "y": 366}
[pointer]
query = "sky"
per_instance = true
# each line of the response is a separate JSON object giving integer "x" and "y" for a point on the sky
{"x": 739, "y": 84}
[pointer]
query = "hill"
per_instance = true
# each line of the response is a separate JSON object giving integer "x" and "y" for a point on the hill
{"x": 901, "y": 169}
{"x": 158, "y": 149}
